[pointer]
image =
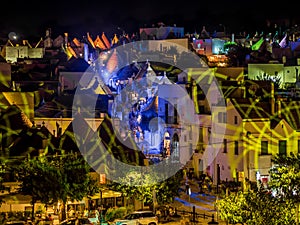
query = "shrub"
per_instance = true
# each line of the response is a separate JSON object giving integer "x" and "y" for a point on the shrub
{"x": 115, "y": 213}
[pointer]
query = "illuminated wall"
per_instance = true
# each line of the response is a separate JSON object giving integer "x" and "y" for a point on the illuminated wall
{"x": 36, "y": 53}
{"x": 164, "y": 45}
{"x": 250, "y": 132}
{"x": 241, "y": 147}
{"x": 218, "y": 46}
{"x": 255, "y": 70}
{"x": 227, "y": 127}
{"x": 290, "y": 74}
{"x": 203, "y": 46}
{"x": 170, "y": 95}
{"x": 262, "y": 132}
{"x": 13, "y": 53}
{"x": 160, "y": 33}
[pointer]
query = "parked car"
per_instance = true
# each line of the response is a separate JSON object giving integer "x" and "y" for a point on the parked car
{"x": 138, "y": 217}
{"x": 82, "y": 221}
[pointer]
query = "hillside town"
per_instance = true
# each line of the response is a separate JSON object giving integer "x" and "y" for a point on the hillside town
{"x": 212, "y": 104}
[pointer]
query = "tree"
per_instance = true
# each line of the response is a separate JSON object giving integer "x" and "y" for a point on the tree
{"x": 131, "y": 187}
{"x": 77, "y": 181}
{"x": 143, "y": 187}
{"x": 231, "y": 208}
{"x": 253, "y": 208}
{"x": 285, "y": 179}
{"x": 168, "y": 189}
{"x": 282, "y": 197}
{"x": 261, "y": 203}
{"x": 56, "y": 178}
{"x": 40, "y": 179}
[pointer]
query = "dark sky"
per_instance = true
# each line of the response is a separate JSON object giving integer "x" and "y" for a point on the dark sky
{"x": 79, "y": 17}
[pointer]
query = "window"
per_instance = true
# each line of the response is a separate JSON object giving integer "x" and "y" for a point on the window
{"x": 224, "y": 145}
{"x": 222, "y": 117}
{"x": 282, "y": 147}
{"x": 166, "y": 113}
{"x": 236, "y": 147}
{"x": 200, "y": 165}
{"x": 209, "y": 135}
{"x": 175, "y": 151}
{"x": 235, "y": 120}
{"x": 175, "y": 114}
{"x": 264, "y": 147}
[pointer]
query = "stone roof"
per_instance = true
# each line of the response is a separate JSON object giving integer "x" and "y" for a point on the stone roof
{"x": 252, "y": 108}
{"x": 13, "y": 118}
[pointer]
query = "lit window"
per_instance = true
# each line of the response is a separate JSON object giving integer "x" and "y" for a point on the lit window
{"x": 222, "y": 117}
{"x": 264, "y": 147}
{"x": 282, "y": 147}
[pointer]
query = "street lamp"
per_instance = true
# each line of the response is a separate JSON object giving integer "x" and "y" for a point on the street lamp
{"x": 12, "y": 36}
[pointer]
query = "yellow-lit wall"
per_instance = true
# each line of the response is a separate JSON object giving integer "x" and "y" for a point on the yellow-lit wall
{"x": 159, "y": 45}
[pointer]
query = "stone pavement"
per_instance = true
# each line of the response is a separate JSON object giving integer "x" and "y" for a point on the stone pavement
{"x": 203, "y": 204}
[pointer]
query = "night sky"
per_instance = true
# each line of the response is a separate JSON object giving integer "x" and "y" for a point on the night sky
{"x": 29, "y": 19}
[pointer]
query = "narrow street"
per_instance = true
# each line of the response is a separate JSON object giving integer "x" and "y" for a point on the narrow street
{"x": 203, "y": 204}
